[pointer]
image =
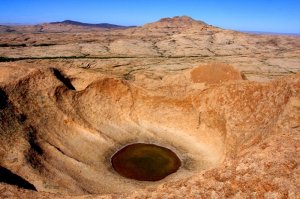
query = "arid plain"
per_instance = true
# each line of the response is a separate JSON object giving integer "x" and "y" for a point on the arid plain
{"x": 226, "y": 102}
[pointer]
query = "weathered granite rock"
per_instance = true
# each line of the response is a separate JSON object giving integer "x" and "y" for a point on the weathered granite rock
{"x": 235, "y": 139}
{"x": 62, "y": 119}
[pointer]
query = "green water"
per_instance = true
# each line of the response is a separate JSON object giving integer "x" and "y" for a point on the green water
{"x": 145, "y": 162}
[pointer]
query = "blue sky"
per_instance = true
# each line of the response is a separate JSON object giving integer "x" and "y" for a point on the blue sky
{"x": 251, "y": 15}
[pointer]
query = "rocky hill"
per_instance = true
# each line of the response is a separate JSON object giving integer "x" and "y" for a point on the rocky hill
{"x": 99, "y": 25}
{"x": 181, "y": 42}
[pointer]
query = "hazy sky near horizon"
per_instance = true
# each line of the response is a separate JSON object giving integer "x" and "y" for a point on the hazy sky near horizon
{"x": 248, "y": 15}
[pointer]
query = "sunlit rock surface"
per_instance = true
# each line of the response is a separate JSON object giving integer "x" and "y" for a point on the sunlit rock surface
{"x": 61, "y": 120}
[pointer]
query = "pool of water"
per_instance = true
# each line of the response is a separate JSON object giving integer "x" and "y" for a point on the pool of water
{"x": 145, "y": 162}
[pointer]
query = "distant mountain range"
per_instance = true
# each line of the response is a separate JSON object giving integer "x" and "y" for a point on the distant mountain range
{"x": 99, "y": 25}
{"x": 64, "y": 26}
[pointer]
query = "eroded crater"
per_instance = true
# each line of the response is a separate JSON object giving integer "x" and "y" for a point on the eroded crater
{"x": 79, "y": 138}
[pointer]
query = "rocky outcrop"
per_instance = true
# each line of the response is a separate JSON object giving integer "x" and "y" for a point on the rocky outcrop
{"x": 233, "y": 138}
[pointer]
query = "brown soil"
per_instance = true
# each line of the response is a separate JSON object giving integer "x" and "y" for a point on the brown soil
{"x": 214, "y": 73}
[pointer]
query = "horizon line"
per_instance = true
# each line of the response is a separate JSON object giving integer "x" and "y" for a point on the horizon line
{"x": 245, "y": 31}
